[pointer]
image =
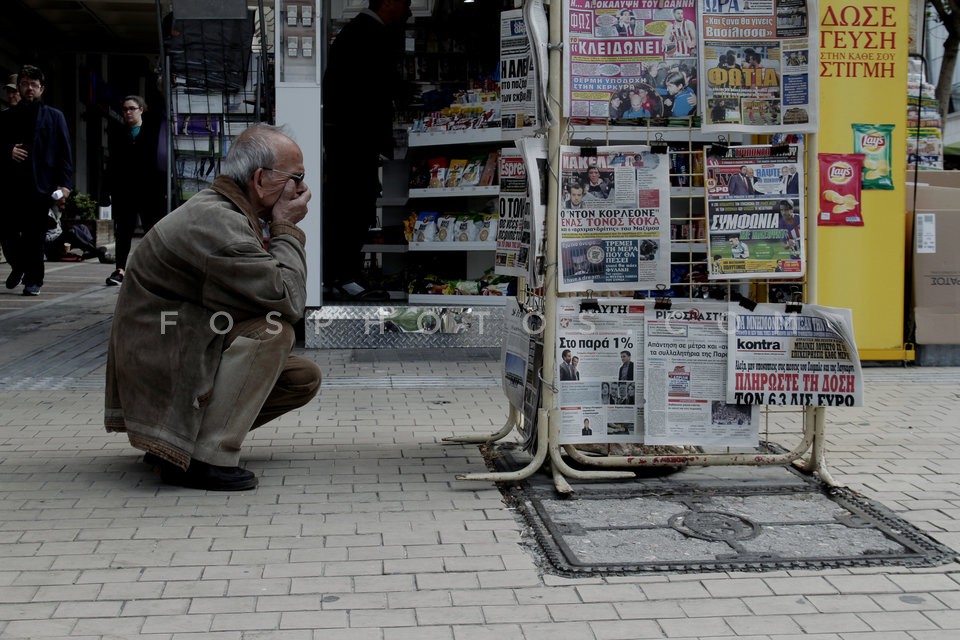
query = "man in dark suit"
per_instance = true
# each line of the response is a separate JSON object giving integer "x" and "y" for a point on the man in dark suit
{"x": 793, "y": 181}
{"x": 360, "y": 83}
{"x": 36, "y": 161}
{"x": 626, "y": 366}
{"x": 567, "y": 371}
{"x": 740, "y": 183}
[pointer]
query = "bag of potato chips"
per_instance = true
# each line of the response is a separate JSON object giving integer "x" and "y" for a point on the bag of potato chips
{"x": 840, "y": 189}
{"x": 874, "y": 141}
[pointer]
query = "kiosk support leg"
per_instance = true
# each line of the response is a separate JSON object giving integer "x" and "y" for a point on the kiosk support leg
{"x": 511, "y": 476}
{"x": 513, "y": 420}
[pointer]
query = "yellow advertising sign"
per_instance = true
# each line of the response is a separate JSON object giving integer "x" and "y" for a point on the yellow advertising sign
{"x": 863, "y": 80}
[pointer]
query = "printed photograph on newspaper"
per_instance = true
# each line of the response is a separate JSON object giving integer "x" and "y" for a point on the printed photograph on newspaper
{"x": 755, "y": 205}
{"x": 514, "y": 228}
{"x": 760, "y": 66}
{"x": 629, "y": 60}
{"x": 806, "y": 357}
{"x": 685, "y": 378}
{"x": 599, "y": 370}
{"x": 614, "y": 223}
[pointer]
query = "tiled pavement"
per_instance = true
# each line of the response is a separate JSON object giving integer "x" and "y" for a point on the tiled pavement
{"x": 358, "y": 529}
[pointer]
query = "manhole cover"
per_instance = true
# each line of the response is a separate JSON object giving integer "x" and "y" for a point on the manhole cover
{"x": 713, "y": 519}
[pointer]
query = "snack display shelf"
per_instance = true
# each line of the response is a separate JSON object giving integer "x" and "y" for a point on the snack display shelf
{"x": 455, "y": 192}
{"x": 453, "y": 246}
{"x": 463, "y": 136}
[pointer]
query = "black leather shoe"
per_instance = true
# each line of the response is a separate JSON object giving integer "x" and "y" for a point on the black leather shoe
{"x": 209, "y": 477}
{"x": 154, "y": 460}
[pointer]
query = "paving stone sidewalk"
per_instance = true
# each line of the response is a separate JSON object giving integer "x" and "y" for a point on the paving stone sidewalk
{"x": 359, "y": 530}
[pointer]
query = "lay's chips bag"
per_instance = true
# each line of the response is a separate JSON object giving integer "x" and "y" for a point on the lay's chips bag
{"x": 874, "y": 141}
{"x": 840, "y": 189}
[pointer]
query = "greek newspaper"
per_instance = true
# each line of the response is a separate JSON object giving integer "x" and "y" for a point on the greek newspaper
{"x": 599, "y": 370}
{"x": 614, "y": 226}
{"x": 518, "y": 95}
{"x": 760, "y": 65}
{"x": 806, "y": 357}
{"x": 627, "y": 59}
{"x": 521, "y": 358}
{"x": 514, "y": 230}
{"x": 685, "y": 369}
{"x": 755, "y": 204}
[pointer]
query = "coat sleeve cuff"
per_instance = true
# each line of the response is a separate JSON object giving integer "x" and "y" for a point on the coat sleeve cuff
{"x": 285, "y": 228}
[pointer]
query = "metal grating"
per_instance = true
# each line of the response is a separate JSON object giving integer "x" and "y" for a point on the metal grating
{"x": 360, "y": 327}
{"x": 714, "y": 519}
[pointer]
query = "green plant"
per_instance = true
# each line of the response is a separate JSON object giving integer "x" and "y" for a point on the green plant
{"x": 81, "y": 206}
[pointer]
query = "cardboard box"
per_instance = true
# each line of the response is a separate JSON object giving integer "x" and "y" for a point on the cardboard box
{"x": 936, "y": 269}
{"x": 935, "y": 178}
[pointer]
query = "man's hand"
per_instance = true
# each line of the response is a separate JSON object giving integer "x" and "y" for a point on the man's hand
{"x": 19, "y": 154}
{"x": 291, "y": 207}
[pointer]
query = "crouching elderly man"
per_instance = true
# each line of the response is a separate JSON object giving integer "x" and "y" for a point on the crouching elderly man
{"x": 200, "y": 351}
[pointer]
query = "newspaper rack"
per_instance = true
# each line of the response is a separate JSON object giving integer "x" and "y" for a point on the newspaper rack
{"x": 807, "y": 454}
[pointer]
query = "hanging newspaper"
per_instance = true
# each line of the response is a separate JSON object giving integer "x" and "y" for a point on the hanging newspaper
{"x": 513, "y": 228}
{"x": 755, "y": 204}
{"x": 630, "y": 59}
{"x": 534, "y": 151}
{"x": 518, "y": 107}
{"x": 599, "y": 370}
{"x": 538, "y": 33}
{"x": 614, "y": 227}
{"x": 685, "y": 372}
{"x": 521, "y": 358}
{"x": 808, "y": 357}
{"x": 760, "y": 66}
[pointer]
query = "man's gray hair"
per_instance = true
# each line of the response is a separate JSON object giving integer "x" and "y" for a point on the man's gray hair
{"x": 251, "y": 150}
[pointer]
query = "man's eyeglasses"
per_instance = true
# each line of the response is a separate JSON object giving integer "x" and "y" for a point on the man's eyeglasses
{"x": 296, "y": 177}
{"x": 130, "y": 108}
{"x": 26, "y": 84}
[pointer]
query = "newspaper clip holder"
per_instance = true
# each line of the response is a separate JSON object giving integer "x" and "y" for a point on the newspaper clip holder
{"x": 588, "y": 149}
{"x": 718, "y": 148}
{"x": 659, "y": 145}
{"x": 664, "y": 303}
{"x": 794, "y": 305}
{"x": 589, "y": 304}
{"x": 745, "y": 302}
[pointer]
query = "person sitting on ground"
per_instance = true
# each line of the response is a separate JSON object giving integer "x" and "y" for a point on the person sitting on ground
{"x": 59, "y": 247}
{"x": 200, "y": 349}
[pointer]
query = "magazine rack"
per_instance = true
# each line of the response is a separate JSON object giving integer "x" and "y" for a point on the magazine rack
{"x": 807, "y": 454}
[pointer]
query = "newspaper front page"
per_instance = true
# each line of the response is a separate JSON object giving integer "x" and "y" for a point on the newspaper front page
{"x": 626, "y": 59}
{"x": 760, "y": 65}
{"x": 685, "y": 372}
{"x": 600, "y": 370}
{"x": 799, "y": 358}
{"x": 521, "y": 358}
{"x": 518, "y": 95}
{"x": 755, "y": 204}
{"x": 534, "y": 151}
{"x": 514, "y": 232}
{"x": 614, "y": 226}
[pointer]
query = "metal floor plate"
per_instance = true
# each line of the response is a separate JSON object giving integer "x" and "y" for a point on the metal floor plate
{"x": 714, "y": 519}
